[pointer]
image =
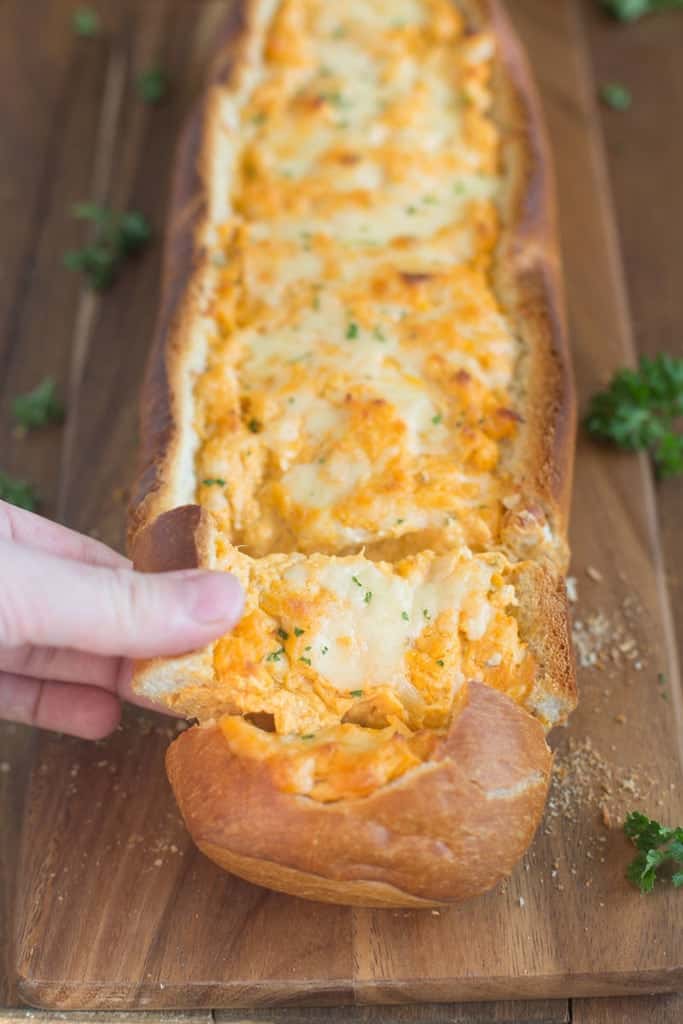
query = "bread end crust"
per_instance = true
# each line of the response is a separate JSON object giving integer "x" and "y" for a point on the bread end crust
{"x": 443, "y": 832}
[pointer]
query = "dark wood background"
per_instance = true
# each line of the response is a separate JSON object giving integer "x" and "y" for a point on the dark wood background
{"x": 72, "y": 127}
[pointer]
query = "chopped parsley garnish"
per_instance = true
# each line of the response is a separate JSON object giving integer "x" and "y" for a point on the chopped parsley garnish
{"x": 298, "y": 632}
{"x": 308, "y": 736}
{"x": 405, "y": 616}
{"x": 85, "y": 22}
{"x": 379, "y": 334}
{"x": 324, "y": 649}
{"x": 352, "y": 330}
{"x": 306, "y": 661}
{"x": 259, "y": 118}
{"x": 283, "y": 634}
{"x": 117, "y": 236}
{"x": 335, "y": 99}
{"x": 459, "y": 188}
{"x": 38, "y": 407}
{"x": 356, "y": 693}
{"x": 153, "y": 85}
{"x": 17, "y": 492}
{"x": 368, "y": 597}
{"x": 214, "y": 481}
{"x": 437, "y": 419}
{"x": 275, "y": 655}
{"x": 616, "y": 96}
{"x": 411, "y": 210}
{"x": 430, "y": 200}
{"x": 254, "y": 426}
{"x": 657, "y": 845}
{"x": 639, "y": 410}
{"x": 308, "y": 648}
{"x": 399, "y": 521}
{"x": 440, "y": 662}
{"x": 426, "y": 614}
{"x": 356, "y": 581}
{"x": 631, "y": 10}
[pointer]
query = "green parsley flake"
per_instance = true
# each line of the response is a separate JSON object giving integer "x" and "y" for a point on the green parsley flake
{"x": 17, "y": 492}
{"x": 405, "y": 616}
{"x": 275, "y": 655}
{"x": 324, "y": 649}
{"x": 440, "y": 662}
{"x": 368, "y": 597}
{"x": 283, "y": 634}
{"x": 426, "y": 614}
{"x": 356, "y": 581}
{"x": 38, "y": 407}
{"x": 437, "y": 419}
{"x": 356, "y": 693}
{"x": 152, "y": 85}
{"x": 214, "y": 481}
{"x": 86, "y": 22}
{"x": 254, "y": 426}
{"x": 616, "y": 96}
{"x": 117, "y": 237}
{"x": 298, "y": 632}
{"x": 352, "y": 330}
{"x": 306, "y": 661}
{"x": 309, "y": 736}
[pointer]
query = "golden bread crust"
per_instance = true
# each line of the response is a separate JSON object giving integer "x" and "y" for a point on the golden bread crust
{"x": 443, "y": 832}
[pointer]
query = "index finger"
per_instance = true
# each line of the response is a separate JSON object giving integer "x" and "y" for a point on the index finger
{"x": 34, "y": 531}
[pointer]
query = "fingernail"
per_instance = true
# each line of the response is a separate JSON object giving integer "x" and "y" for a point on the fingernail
{"x": 214, "y": 599}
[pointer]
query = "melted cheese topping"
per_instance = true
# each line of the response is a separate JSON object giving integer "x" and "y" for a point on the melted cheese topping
{"x": 361, "y": 653}
{"x": 358, "y": 389}
{"x": 358, "y": 395}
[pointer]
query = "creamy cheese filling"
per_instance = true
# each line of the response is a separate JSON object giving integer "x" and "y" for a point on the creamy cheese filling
{"x": 358, "y": 392}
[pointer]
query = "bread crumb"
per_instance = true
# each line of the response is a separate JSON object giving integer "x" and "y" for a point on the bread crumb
{"x": 572, "y": 589}
{"x": 594, "y": 574}
{"x": 521, "y": 901}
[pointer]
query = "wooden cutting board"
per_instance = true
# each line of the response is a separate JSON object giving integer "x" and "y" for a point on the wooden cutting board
{"x": 116, "y": 909}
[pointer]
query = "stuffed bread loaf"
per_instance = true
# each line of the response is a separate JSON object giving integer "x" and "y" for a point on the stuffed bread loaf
{"x": 359, "y": 401}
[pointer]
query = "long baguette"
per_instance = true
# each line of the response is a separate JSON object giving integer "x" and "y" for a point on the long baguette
{"x": 401, "y": 804}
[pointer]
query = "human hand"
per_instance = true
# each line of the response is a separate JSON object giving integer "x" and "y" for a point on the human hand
{"x": 72, "y": 614}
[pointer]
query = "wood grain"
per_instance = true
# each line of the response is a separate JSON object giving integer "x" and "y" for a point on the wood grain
{"x": 98, "y": 459}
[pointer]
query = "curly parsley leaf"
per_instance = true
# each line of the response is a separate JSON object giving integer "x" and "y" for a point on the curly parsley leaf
{"x": 639, "y": 410}
{"x": 38, "y": 407}
{"x": 17, "y": 492}
{"x": 117, "y": 236}
{"x": 657, "y": 845}
{"x": 631, "y": 10}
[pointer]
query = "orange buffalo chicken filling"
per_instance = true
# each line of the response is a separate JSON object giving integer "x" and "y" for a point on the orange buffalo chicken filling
{"x": 357, "y": 406}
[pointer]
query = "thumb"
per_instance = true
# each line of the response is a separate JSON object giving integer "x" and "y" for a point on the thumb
{"x": 50, "y": 601}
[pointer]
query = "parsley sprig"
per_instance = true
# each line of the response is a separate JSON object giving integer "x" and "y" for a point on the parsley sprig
{"x": 117, "y": 237}
{"x": 639, "y": 409}
{"x": 657, "y": 845}
{"x": 17, "y": 492}
{"x": 631, "y": 10}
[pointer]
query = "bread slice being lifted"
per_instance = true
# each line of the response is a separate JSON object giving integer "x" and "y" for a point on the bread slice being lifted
{"x": 359, "y": 403}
